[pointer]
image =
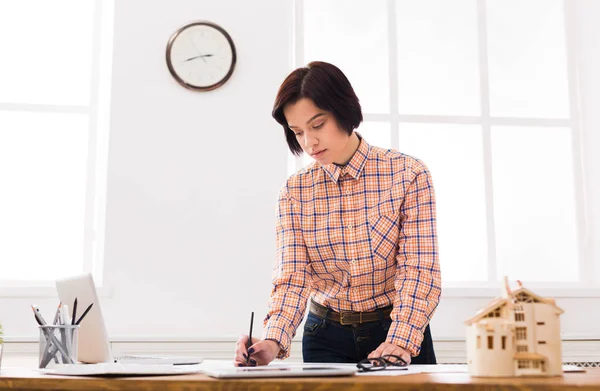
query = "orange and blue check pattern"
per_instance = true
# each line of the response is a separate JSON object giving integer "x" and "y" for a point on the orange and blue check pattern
{"x": 358, "y": 238}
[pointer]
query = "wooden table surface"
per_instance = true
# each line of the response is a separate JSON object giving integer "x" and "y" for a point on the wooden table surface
{"x": 27, "y": 379}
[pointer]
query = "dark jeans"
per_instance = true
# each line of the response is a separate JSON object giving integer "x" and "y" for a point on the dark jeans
{"x": 328, "y": 341}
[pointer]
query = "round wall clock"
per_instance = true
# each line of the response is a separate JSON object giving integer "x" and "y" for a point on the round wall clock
{"x": 201, "y": 56}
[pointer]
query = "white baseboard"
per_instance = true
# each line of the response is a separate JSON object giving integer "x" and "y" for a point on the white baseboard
{"x": 447, "y": 352}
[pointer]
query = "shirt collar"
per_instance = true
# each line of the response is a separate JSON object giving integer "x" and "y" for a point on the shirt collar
{"x": 354, "y": 166}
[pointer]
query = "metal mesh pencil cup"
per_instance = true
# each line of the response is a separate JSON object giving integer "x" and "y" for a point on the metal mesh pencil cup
{"x": 58, "y": 345}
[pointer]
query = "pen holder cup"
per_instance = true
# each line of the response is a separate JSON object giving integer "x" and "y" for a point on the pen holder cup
{"x": 58, "y": 345}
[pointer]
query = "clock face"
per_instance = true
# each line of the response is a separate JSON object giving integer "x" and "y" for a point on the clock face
{"x": 201, "y": 56}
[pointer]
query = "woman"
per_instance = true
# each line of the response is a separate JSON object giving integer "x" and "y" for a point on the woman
{"x": 356, "y": 230}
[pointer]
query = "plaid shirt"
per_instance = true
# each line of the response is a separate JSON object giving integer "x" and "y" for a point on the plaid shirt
{"x": 357, "y": 238}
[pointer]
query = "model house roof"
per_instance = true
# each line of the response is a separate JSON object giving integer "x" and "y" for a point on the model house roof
{"x": 520, "y": 295}
{"x": 495, "y": 304}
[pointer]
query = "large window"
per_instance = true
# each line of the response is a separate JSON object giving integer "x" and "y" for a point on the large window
{"x": 54, "y": 88}
{"x": 484, "y": 92}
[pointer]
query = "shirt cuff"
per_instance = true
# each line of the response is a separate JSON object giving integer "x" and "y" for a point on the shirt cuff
{"x": 406, "y": 336}
{"x": 281, "y": 336}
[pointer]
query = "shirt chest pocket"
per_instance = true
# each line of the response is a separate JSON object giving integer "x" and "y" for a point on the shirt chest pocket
{"x": 384, "y": 229}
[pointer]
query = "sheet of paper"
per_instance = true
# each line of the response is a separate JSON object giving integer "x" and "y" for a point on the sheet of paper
{"x": 217, "y": 364}
{"x": 119, "y": 369}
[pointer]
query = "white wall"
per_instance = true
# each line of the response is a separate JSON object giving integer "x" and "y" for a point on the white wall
{"x": 193, "y": 180}
{"x": 193, "y": 177}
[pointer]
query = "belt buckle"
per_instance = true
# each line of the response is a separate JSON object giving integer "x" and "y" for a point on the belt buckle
{"x": 342, "y": 322}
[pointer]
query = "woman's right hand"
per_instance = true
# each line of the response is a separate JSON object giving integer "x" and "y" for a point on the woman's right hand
{"x": 262, "y": 351}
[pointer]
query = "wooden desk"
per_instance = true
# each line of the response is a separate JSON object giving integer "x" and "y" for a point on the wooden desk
{"x": 24, "y": 379}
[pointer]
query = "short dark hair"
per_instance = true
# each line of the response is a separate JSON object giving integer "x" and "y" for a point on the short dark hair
{"x": 328, "y": 87}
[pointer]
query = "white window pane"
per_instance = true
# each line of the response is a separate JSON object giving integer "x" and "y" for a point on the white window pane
{"x": 453, "y": 154}
{"x": 534, "y": 204}
{"x": 43, "y": 160}
{"x": 438, "y": 71}
{"x": 352, "y": 35}
{"x": 376, "y": 133}
{"x": 527, "y": 58}
{"x": 46, "y": 51}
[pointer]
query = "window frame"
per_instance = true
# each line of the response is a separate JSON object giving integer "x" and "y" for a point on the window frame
{"x": 587, "y": 286}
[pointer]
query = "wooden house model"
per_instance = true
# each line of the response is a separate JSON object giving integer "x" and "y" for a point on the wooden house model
{"x": 517, "y": 334}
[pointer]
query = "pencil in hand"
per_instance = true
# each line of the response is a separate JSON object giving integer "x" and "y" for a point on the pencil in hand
{"x": 249, "y": 343}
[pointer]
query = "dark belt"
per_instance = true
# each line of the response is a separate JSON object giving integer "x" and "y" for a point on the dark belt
{"x": 349, "y": 317}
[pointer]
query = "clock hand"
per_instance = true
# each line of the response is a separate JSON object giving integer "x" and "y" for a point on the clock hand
{"x": 206, "y": 55}
{"x": 192, "y": 58}
{"x": 200, "y": 56}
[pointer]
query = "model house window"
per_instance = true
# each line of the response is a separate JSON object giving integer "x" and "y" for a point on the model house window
{"x": 521, "y": 348}
{"x": 490, "y": 339}
{"x": 535, "y": 364}
{"x": 523, "y": 364}
{"x": 519, "y": 317}
{"x": 519, "y": 314}
{"x": 503, "y": 342}
{"x": 53, "y": 137}
{"x": 460, "y": 81}
{"x": 493, "y": 314}
{"x": 542, "y": 342}
{"x": 540, "y": 323}
{"x": 478, "y": 342}
{"x": 521, "y": 333}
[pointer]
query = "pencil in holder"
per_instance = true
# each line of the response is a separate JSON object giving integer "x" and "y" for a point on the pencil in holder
{"x": 58, "y": 345}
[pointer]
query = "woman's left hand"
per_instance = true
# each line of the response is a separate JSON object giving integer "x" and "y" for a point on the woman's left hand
{"x": 387, "y": 348}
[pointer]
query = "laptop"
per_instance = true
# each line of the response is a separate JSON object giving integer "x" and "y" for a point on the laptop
{"x": 279, "y": 371}
{"x": 93, "y": 344}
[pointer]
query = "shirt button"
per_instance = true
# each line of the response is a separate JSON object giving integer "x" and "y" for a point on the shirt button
{"x": 353, "y": 261}
{"x": 350, "y": 226}
{"x": 347, "y": 192}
